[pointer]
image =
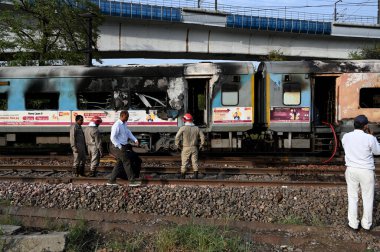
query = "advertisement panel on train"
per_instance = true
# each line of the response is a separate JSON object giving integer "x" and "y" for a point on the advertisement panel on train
{"x": 35, "y": 118}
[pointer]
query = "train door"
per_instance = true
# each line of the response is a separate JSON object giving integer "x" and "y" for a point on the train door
{"x": 197, "y": 100}
{"x": 323, "y": 112}
{"x": 324, "y": 99}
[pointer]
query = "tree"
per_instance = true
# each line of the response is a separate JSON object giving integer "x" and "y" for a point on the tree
{"x": 274, "y": 55}
{"x": 47, "y": 32}
{"x": 366, "y": 53}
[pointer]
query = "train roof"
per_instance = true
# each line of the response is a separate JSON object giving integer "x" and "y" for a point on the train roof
{"x": 316, "y": 66}
{"x": 173, "y": 70}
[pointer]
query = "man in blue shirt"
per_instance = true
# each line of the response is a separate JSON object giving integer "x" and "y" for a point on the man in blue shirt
{"x": 359, "y": 147}
{"x": 120, "y": 135}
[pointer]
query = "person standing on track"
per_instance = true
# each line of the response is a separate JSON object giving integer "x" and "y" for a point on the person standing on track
{"x": 94, "y": 144}
{"x": 78, "y": 145}
{"x": 189, "y": 134}
{"x": 120, "y": 135}
{"x": 359, "y": 147}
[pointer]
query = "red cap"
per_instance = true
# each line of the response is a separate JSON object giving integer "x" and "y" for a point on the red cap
{"x": 187, "y": 118}
{"x": 96, "y": 120}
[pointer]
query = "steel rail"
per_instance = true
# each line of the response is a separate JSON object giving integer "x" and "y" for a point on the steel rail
{"x": 175, "y": 169}
{"x": 175, "y": 182}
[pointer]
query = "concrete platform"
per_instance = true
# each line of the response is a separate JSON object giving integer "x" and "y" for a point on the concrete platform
{"x": 31, "y": 242}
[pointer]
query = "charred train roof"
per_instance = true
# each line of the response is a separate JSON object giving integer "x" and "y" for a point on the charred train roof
{"x": 353, "y": 66}
{"x": 177, "y": 70}
{"x": 81, "y": 71}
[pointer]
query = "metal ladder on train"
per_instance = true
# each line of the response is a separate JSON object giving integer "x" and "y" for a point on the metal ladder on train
{"x": 323, "y": 139}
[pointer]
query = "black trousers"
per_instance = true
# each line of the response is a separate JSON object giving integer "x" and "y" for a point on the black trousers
{"x": 123, "y": 164}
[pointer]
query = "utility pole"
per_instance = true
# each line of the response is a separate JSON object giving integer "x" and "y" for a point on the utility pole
{"x": 378, "y": 12}
{"x": 216, "y": 5}
{"x": 88, "y": 51}
{"x": 335, "y": 13}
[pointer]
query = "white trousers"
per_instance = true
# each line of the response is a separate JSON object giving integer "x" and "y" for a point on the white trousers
{"x": 364, "y": 178}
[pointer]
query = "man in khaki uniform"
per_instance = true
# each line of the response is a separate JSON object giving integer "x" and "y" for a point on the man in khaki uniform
{"x": 94, "y": 144}
{"x": 78, "y": 145}
{"x": 190, "y": 134}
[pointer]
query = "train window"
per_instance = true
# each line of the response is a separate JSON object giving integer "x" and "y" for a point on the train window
{"x": 38, "y": 101}
{"x": 3, "y": 102}
{"x": 94, "y": 100}
{"x": 230, "y": 95}
{"x": 369, "y": 98}
{"x": 156, "y": 100}
{"x": 292, "y": 94}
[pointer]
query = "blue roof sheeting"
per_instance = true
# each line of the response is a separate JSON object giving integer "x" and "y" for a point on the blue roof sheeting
{"x": 278, "y": 24}
{"x": 173, "y": 14}
{"x": 138, "y": 11}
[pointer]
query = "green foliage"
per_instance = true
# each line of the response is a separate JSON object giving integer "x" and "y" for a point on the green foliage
{"x": 193, "y": 237}
{"x": 8, "y": 219}
{"x": 82, "y": 238}
{"x": 291, "y": 219}
{"x": 47, "y": 32}
{"x": 366, "y": 53}
{"x": 316, "y": 221}
{"x": 5, "y": 202}
{"x": 131, "y": 244}
{"x": 274, "y": 55}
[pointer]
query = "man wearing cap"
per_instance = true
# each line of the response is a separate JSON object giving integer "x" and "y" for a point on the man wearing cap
{"x": 359, "y": 147}
{"x": 94, "y": 144}
{"x": 78, "y": 145}
{"x": 190, "y": 134}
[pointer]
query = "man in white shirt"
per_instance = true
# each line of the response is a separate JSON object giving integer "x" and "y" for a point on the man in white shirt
{"x": 120, "y": 135}
{"x": 359, "y": 147}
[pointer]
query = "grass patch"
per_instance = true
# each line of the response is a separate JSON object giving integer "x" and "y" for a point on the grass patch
{"x": 316, "y": 221}
{"x": 292, "y": 219}
{"x": 127, "y": 244}
{"x": 200, "y": 238}
{"x": 82, "y": 238}
{"x": 5, "y": 202}
{"x": 8, "y": 219}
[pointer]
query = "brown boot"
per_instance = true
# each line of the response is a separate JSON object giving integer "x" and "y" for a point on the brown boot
{"x": 183, "y": 175}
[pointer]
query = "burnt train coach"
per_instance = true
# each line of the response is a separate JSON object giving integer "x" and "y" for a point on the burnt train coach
{"x": 38, "y": 104}
{"x": 311, "y": 104}
{"x": 282, "y": 106}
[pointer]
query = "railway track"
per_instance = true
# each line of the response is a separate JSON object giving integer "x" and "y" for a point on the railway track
{"x": 256, "y": 160}
{"x": 48, "y": 170}
{"x": 162, "y": 170}
{"x": 62, "y": 174}
{"x": 175, "y": 182}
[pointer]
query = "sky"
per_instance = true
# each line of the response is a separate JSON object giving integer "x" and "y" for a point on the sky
{"x": 353, "y": 9}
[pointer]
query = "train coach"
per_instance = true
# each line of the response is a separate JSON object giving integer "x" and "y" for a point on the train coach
{"x": 38, "y": 104}
{"x": 280, "y": 106}
{"x": 309, "y": 105}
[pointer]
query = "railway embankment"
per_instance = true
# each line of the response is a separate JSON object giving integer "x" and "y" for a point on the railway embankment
{"x": 264, "y": 204}
{"x": 315, "y": 207}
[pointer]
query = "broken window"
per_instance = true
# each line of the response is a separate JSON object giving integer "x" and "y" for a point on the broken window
{"x": 369, "y": 98}
{"x": 3, "y": 101}
{"x": 230, "y": 95}
{"x": 94, "y": 100}
{"x": 41, "y": 101}
{"x": 148, "y": 100}
{"x": 292, "y": 94}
